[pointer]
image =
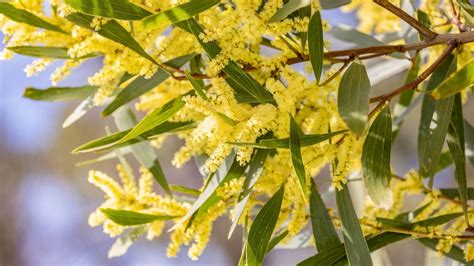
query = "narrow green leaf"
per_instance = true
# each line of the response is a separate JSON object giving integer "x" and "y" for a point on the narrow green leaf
{"x": 60, "y": 93}
{"x": 111, "y": 141}
{"x": 287, "y": 9}
{"x": 108, "y": 156}
{"x": 305, "y": 141}
{"x": 141, "y": 85}
{"x": 82, "y": 109}
{"x": 238, "y": 79}
{"x": 303, "y": 13}
{"x": 23, "y": 16}
{"x": 178, "y": 13}
{"x": 143, "y": 152}
{"x": 255, "y": 170}
{"x": 296, "y": 158}
{"x": 46, "y": 52}
{"x": 455, "y": 253}
{"x": 198, "y": 87}
{"x": 455, "y": 140}
{"x": 185, "y": 190}
{"x": 117, "y": 9}
{"x": 434, "y": 121}
{"x": 316, "y": 44}
{"x": 469, "y": 133}
{"x": 354, "y": 242}
{"x": 454, "y": 193}
{"x": 155, "y": 118}
{"x": 331, "y": 4}
{"x": 276, "y": 240}
{"x": 111, "y": 30}
{"x": 353, "y": 97}
{"x": 229, "y": 170}
{"x": 456, "y": 82}
{"x": 130, "y": 218}
{"x": 376, "y": 159}
{"x": 262, "y": 229}
{"x": 445, "y": 160}
{"x": 324, "y": 233}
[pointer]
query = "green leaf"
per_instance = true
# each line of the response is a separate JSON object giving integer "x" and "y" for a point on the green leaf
{"x": 353, "y": 97}
{"x": 198, "y": 87}
{"x": 405, "y": 101}
{"x": 117, "y": 9}
{"x": 46, "y": 52}
{"x": 124, "y": 242}
{"x": 178, "y": 13}
{"x": 354, "y": 242}
{"x": 262, "y": 229}
{"x": 238, "y": 79}
{"x": 376, "y": 159}
{"x": 255, "y": 170}
{"x": 229, "y": 170}
{"x": 454, "y": 193}
{"x": 455, "y": 140}
{"x": 434, "y": 121}
{"x": 23, "y": 16}
{"x": 185, "y": 190}
{"x": 324, "y": 232}
{"x": 469, "y": 132}
{"x": 296, "y": 158}
{"x": 316, "y": 44}
{"x": 130, "y": 218}
{"x": 143, "y": 152}
{"x": 455, "y": 253}
{"x": 111, "y": 141}
{"x": 287, "y": 9}
{"x": 111, "y": 30}
{"x": 331, "y": 4}
{"x": 154, "y": 119}
{"x": 141, "y": 85}
{"x": 351, "y": 35}
{"x": 276, "y": 240}
{"x": 456, "y": 82}
{"x": 305, "y": 141}
{"x": 445, "y": 160}
{"x": 60, "y": 93}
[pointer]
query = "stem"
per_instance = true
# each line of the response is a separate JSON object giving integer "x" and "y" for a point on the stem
{"x": 338, "y": 72}
{"x": 422, "y": 29}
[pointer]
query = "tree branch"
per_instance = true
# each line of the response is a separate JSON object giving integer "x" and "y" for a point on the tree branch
{"x": 426, "y": 32}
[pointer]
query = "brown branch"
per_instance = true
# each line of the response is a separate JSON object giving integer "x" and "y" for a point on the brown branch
{"x": 367, "y": 52}
{"x": 412, "y": 85}
{"x": 426, "y": 32}
{"x": 338, "y": 72}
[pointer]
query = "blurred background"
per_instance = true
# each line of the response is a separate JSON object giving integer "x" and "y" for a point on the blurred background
{"x": 45, "y": 198}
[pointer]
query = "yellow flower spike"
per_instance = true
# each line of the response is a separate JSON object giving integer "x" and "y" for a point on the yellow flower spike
{"x": 469, "y": 252}
{"x": 110, "y": 187}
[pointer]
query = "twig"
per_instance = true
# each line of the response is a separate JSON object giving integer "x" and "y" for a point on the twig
{"x": 338, "y": 72}
{"x": 426, "y": 32}
{"x": 412, "y": 85}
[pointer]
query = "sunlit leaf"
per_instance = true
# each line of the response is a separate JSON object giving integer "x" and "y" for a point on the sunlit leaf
{"x": 316, "y": 44}
{"x": 355, "y": 244}
{"x": 178, "y": 13}
{"x": 60, "y": 93}
{"x": 124, "y": 242}
{"x": 456, "y": 82}
{"x": 82, "y": 109}
{"x": 198, "y": 87}
{"x": 46, "y": 52}
{"x": 118, "y": 9}
{"x": 376, "y": 159}
{"x": 155, "y": 118}
{"x": 434, "y": 121}
{"x": 142, "y": 85}
{"x": 288, "y": 8}
{"x": 23, "y": 16}
{"x": 324, "y": 232}
{"x": 262, "y": 229}
{"x": 353, "y": 97}
{"x": 131, "y": 218}
{"x": 111, "y": 142}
